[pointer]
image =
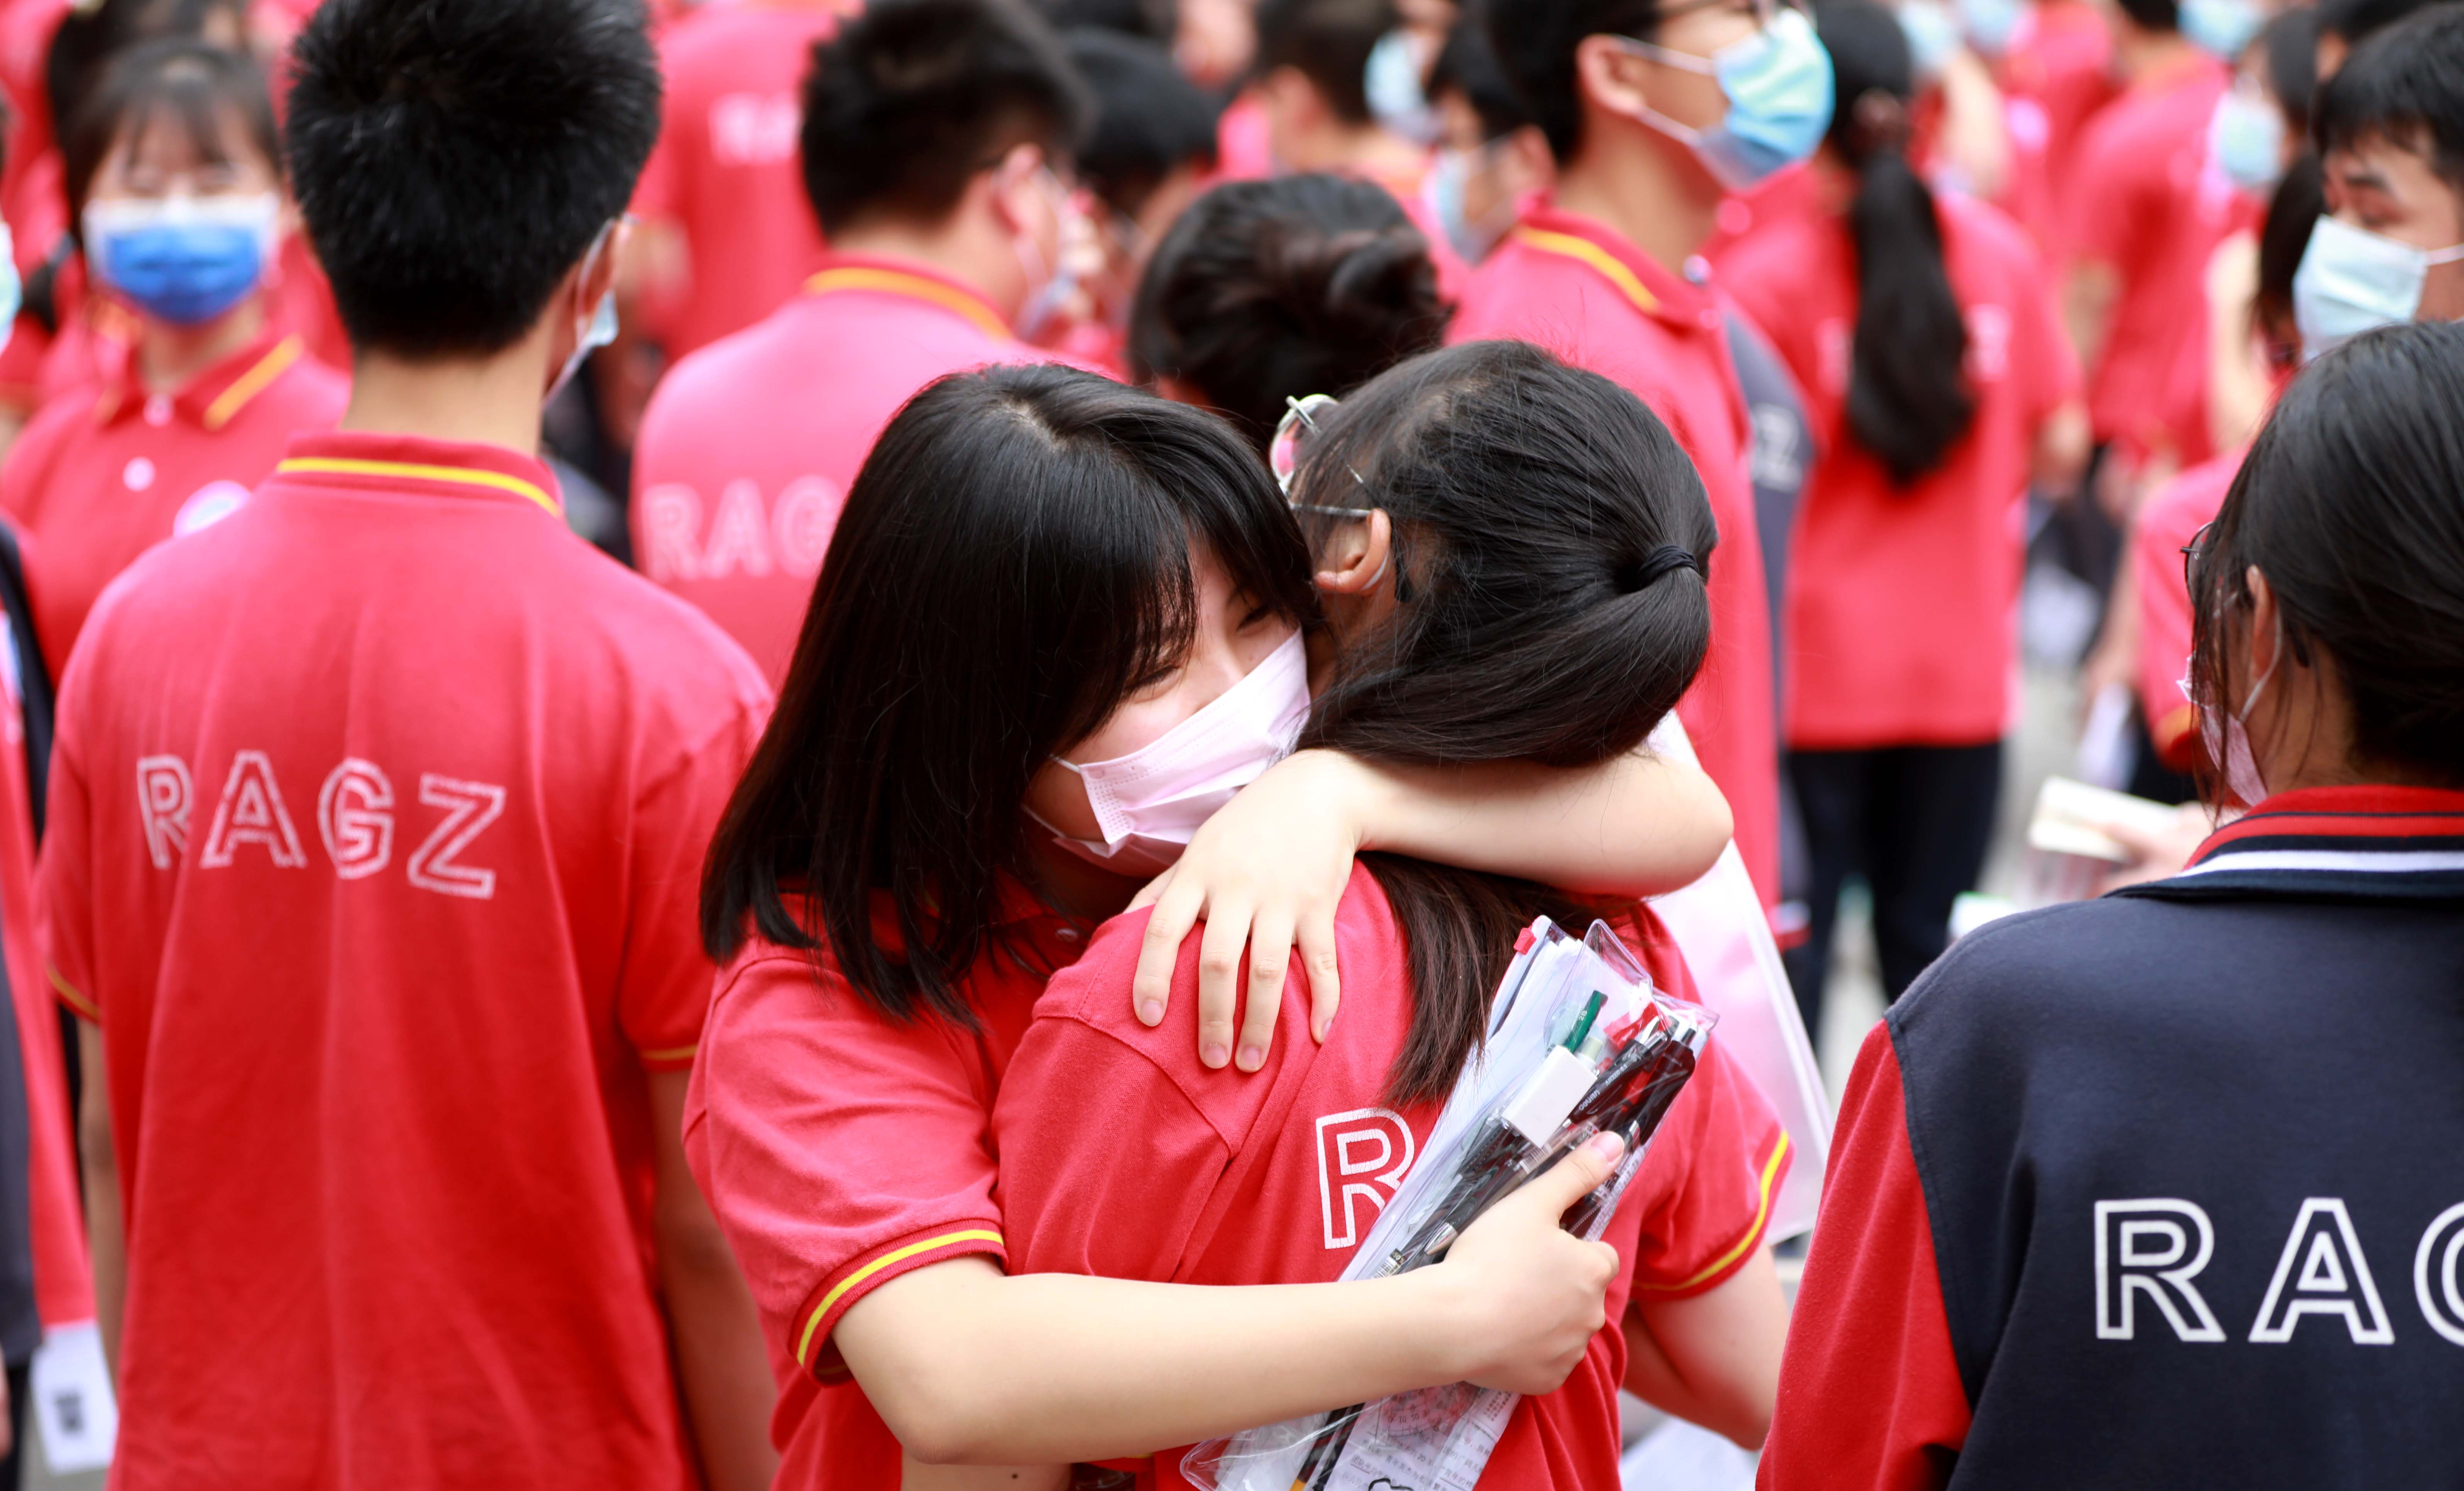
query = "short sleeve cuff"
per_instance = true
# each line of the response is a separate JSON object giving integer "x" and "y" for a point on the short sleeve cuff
{"x": 78, "y": 1004}
{"x": 1725, "y": 1265}
{"x": 667, "y": 1059}
{"x": 818, "y": 1316}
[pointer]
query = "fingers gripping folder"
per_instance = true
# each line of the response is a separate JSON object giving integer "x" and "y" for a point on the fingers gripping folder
{"x": 1580, "y": 1042}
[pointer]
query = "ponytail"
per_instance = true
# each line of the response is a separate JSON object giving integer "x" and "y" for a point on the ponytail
{"x": 1555, "y": 541}
{"x": 1908, "y": 398}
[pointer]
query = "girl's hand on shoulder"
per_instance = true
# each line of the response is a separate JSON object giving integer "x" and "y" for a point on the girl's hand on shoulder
{"x": 1530, "y": 1295}
{"x": 1266, "y": 872}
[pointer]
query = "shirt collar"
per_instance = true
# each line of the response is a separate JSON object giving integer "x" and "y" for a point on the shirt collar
{"x": 357, "y": 461}
{"x": 1682, "y": 302}
{"x": 2363, "y": 841}
{"x": 208, "y": 401}
{"x": 911, "y": 279}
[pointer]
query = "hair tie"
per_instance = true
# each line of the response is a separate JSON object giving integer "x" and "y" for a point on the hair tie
{"x": 1661, "y": 561}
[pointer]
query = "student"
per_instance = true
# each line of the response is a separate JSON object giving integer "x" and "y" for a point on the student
{"x": 2257, "y": 134}
{"x": 1543, "y": 525}
{"x": 724, "y": 212}
{"x": 2141, "y": 217}
{"x": 1268, "y": 291}
{"x": 176, "y": 180}
{"x": 1650, "y": 135}
{"x": 368, "y": 813}
{"x": 2393, "y": 122}
{"x": 1312, "y": 85}
{"x": 1924, "y": 333}
{"x": 1492, "y": 162}
{"x": 1146, "y": 157}
{"x": 2105, "y": 1165}
{"x": 936, "y": 137}
{"x": 2054, "y": 58}
{"x": 1066, "y": 553}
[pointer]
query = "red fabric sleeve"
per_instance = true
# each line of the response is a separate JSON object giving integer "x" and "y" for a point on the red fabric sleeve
{"x": 2041, "y": 343}
{"x": 665, "y": 990}
{"x": 1869, "y": 1393}
{"x": 1075, "y": 1102}
{"x": 1708, "y": 1183}
{"x": 2169, "y": 520}
{"x": 838, "y": 1148}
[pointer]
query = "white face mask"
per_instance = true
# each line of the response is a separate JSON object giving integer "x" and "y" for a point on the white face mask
{"x": 2352, "y": 280}
{"x": 601, "y": 329}
{"x": 1151, "y": 802}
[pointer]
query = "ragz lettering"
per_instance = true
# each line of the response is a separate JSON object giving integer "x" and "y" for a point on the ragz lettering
{"x": 2149, "y": 1253}
{"x": 355, "y": 820}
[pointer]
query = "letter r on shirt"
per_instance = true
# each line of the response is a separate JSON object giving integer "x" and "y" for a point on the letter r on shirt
{"x": 2154, "y": 1247}
{"x": 1357, "y": 1154}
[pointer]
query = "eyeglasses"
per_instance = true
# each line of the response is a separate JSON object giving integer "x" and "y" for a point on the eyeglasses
{"x": 1290, "y": 447}
{"x": 2195, "y": 551}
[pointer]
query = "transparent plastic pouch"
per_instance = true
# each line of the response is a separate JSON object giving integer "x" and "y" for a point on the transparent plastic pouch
{"x": 1578, "y": 1041}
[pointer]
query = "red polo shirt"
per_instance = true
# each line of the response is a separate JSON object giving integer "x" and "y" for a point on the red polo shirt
{"x": 377, "y": 813}
{"x": 842, "y": 1148}
{"x": 726, "y": 168}
{"x": 1121, "y": 1156}
{"x": 749, "y": 446}
{"x": 2141, "y": 201}
{"x": 2170, "y": 520}
{"x": 98, "y": 480}
{"x": 1903, "y": 600}
{"x": 1576, "y": 287}
{"x": 2060, "y": 60}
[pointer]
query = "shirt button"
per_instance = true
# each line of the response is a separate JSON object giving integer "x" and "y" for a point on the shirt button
{"x": 137, "y": 475}
{"x": 158, "y": 412}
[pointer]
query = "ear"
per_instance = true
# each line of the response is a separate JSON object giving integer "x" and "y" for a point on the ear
{"x": 2265, "y": 635}
{"x": 1359, "y": 556}
{"x": 598, "y": 276}
{"x": 1011, "y": 177}
{"x": 1533, "y": 165}
{"x": 1608, "y": 77}
{"x": 1290, "y": 99}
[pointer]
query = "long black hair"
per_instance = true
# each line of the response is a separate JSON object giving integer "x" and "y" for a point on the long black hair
{"x": 1268, "y": 289}
{"x": 1554, "y": 538}
{"x": 2347, "y": 504}
{"x": 1908, "y": 398}
{"x": 1013, "y": 561}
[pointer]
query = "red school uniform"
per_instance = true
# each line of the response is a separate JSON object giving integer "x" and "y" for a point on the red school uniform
{"x": 842, "y": 1148}
{"x": 1573, "y": 285}
{"x": 98, "y": 479}
{"x": 2169, "y": 520}
{"x": 2141, "y": 201}
{"x": 2060, "y": 60}
{"x": 1121, "y": 1156}
{"x": 375, "y": 817}
{"x": 726, "y": 168}
{"x": 1902, "y": 599}
{"x": 749, "y": 446}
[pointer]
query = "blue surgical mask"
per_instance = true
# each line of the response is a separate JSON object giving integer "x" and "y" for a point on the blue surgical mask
{"x": 1779, "y": 87}
{"x": 603, "y": 327}
{"x": 2246, "y": 136}
{"x": 1396, "y": 96}
{"x": 2352, "y": 280}
{"x": 183, "y": 259}
{"x": 1933, "y": 36}
{"x": 13, "y": 289}
{"x": 2222, "y": 27}
{"x": 1992, "y": 24}
{"x": 1448, "y": 191}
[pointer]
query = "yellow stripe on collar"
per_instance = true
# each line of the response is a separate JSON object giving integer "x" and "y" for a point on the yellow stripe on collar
{"x": 256, "y": 381}
{"x": 1584, "y": 250}
{"x": 469, "y": 476}
{"x": 898, "y": 283}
